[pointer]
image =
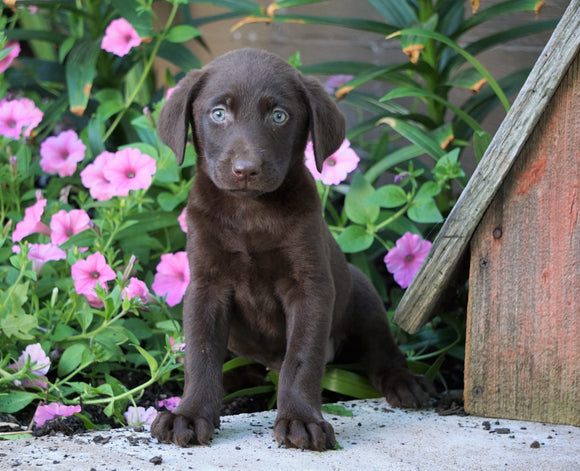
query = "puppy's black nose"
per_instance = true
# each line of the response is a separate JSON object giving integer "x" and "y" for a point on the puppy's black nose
{"x": 245, "y": 169}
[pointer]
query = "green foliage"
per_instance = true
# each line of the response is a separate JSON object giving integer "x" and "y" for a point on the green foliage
{"x": 78, "y": 85}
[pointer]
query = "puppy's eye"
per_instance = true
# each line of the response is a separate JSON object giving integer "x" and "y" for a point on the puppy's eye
{"x": 218, "y": 114}
{"x": 279, "y": 116}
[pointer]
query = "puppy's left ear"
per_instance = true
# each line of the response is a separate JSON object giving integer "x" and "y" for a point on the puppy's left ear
{"x": 327, "y": 126}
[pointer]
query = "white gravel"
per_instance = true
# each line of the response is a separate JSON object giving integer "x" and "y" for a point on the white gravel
{"x": 375, "y": 438}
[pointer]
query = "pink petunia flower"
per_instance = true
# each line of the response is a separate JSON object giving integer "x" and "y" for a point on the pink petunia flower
{"x": 13, "y": 54}
{"x": 87, "y": 273}
{"x": 31, "y": 222}
{"x": 18, "y": 117}
{"x": 128, "y": 170}
{"x": 139, "y": 415}
{"x": 120, "y": 37}
{"x": 336, "y": 167}
{"x": 42, "y": 253}
{"x": 52, "y": 411}
{"x": 170, "y": 403}
{"x": 39, "y": 362}
{"x": 176, "y": 347}
{"x": 60, "y": 154}
{"x": 405, "y": 259}
{"x": 172, "y": 277}
{"x": 182, "y": 219}
{"x": 136, "y": 289}
{"x": 64, "y": 225}
{"x": 334, "y": 82}
{"x": 93, "y": 178}
{"x": 170, "y": 91}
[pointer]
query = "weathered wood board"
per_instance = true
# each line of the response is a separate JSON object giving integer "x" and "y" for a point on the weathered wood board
{"x": 422, "y": 297}
{"x": 523, "y": 326}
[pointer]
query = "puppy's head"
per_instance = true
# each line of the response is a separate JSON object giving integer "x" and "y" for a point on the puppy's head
{"x": 250, "y": 113}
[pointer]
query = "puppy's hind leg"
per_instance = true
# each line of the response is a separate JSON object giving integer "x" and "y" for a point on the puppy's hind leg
{"x": 370, "y": 339}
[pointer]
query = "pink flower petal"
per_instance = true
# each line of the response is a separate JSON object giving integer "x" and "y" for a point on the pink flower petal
{"x": 87, "y": 273}
{"x": 64, "y": 225}
{"x": 13, "y": 54}
{"x": 405, "y": 259}
{"x": 170, "y": 403}
{"x": 94, "y": 179}
{"x": 31, "y": 223}
{"x": 52, "y": 411}
{"x": 42, "y": 253}
{"x": 172, "y": 277}
{"x": 18, "y": 117}
{"x": 60, "y": 154}
{"x": 40, "y": 364}
{"x": 136, "y": 288}
{"x": 335, "y": 168}
{"x": 140, "y": 415}
{"x": 120, "y": 37}
{"x": 128, "y": 170}
{"x": 182, "y": 219}
{"x": 334, "y": 82}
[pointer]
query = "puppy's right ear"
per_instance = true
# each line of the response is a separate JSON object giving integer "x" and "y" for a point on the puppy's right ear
{"x": 177, "y": 115}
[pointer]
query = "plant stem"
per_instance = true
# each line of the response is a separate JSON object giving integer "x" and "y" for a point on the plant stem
{"x": 145, "y": 73}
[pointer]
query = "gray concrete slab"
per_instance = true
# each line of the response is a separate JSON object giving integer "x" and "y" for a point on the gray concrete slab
{"x": 375, "y": 438}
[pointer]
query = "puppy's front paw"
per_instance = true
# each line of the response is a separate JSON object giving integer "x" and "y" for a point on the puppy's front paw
{"x": 172, "y": 428}
{"x": 316, "y": 435}
{"x": 402, "y": 388}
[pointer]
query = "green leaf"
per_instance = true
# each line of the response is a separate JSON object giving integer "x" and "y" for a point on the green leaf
{"x": 179, "y": 55}
{"x": 388, "y": 196}
{"x": 337, "y": 409}
{"x": 481, "y": 141}
{"x": 139, "y": 328}
{"x": 62, "y": 332}
{"x": 152, "y": 362}
{"x": 71, "y": 358}
{"x": 354, "y": 239}
{"x": 457, "y": 48}
{"x": 147, "y": 222}
{"x": 236, "y": 363}
{"x": 182, "y": 33}
{"x": 18, "y": 324}
{"x": 140, "y": 18}
{"x": 391, "y": 160}
{"x": 426, "y": 95}
{"x": 348, "y": 383}
{"x": 396, "y": 12}
{"x": 448, "y": 167}
{"x": 84, "y": 317}
{"x": 240, "y": 6}
{"x": 345, "y": 22}
{"x": 415, "y": 135}
{"x": 400, "y": 225}
{"x": 80, "y": 69}
{"x": 14, "y": 401}
{"x": 425, "y": 211}
{"x": 356, "y": 209}
{"x": 499, "y": 9}
{"x": 466, "y": 78}
{"x": 85, "y": 238}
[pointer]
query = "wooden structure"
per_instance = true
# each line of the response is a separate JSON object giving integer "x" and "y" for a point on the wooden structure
{"x": 520, "y": 214}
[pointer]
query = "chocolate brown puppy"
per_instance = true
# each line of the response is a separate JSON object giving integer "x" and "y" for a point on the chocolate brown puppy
{"x": 268, "y": 280}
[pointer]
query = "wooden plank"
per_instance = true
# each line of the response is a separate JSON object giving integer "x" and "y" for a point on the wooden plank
{"x": 418, "y": 303}
{"x": 523, "y": 320}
